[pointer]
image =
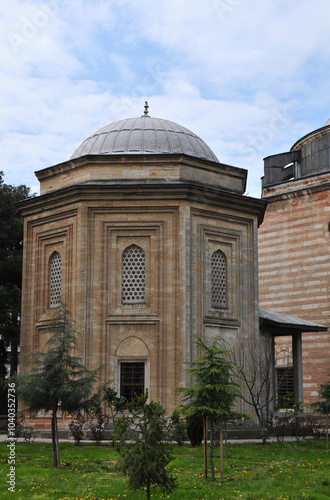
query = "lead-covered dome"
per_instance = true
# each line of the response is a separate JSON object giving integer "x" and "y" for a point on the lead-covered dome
{"x": 145, "y": 135}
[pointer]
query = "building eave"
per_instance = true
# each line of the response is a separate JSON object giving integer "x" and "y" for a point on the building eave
{"x": 298, "y": 187}
{"x": 143, "y": 191}
{"x": 285, "y": 323}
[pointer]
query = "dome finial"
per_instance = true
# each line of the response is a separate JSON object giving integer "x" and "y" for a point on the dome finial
{"x": 146, "y": 106}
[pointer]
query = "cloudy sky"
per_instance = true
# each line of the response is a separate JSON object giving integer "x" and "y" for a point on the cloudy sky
{"x": 248, "y": 77}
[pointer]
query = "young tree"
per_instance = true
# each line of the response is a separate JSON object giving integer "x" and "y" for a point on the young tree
{"x": 11, "y": 253}
{"x": 58, "y": 379}
{"x": 116, "y": 405}
{"x": 323, "y": 407}
{"x": 144, "y": 449}
{"x": 212, "y": 394}
{"x": 256, "y": 362}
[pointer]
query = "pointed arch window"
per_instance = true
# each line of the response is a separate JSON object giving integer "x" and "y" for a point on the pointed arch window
{"x": 55, "y": 275}
{"x": 219, "y": 279}
{"x": 133, "y": 275}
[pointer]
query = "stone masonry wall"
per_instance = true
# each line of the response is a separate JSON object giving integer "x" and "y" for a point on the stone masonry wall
{"x": 294, "y": 269}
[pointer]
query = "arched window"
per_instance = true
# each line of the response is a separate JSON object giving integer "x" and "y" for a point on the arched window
{"x": 133, "y": 275}
{"x": 55, "y": 271}
{"x": 218, "y": 279}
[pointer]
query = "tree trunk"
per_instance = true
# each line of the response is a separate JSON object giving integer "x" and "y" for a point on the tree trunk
{"x": 148, "y": 489}
{"x": 211, "y": 449}
{"x": 13, "y": 358}
{"x": 261, "y": 422}
{"x": 226, "y": 438}
{"x": 221, "y": 449}
{"x": 205, "y": 445}
{"x": 327, "y": 435}
{"x": 56, "y": 451}
{"x": 14, "y": 344}
{"x": 263, "y": 431}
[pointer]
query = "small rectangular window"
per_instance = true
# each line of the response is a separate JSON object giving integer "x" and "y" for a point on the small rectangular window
{"x": 131, "y": 380}
{"x": 284, "y": 382}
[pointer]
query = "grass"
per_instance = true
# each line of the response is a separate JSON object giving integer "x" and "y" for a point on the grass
{"x": 252, "y": 472}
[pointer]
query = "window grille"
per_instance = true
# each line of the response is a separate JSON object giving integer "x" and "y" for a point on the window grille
{"x": 133, "y": 275}
{"x": 55, "y": 270}
{"x": 218, "y": 279}
{"x": 131, "y": 380}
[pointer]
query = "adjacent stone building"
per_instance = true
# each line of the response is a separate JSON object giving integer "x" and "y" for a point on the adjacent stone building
{"x": 294, "y": 258}
{"x": 149, "y": 240}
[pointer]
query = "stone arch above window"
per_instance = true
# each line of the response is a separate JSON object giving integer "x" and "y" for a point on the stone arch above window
{"x": 55, "y": 275}
{"x": 133, "y": 275}
{"x": 218, "y": 279}
{"x": 132, "y": 346}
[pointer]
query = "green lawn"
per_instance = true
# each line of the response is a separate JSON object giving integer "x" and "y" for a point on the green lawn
{"x": 275, "y": 471}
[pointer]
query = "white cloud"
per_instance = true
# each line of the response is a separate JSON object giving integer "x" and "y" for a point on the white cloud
{"x": 122, "y": 64}
{"x": 261, "y": 43}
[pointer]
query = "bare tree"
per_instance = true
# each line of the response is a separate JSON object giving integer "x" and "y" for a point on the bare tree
{"x": 256, "y": 368}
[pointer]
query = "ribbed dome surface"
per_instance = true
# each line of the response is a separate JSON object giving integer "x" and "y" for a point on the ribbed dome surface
{"x": 144, "y": 135}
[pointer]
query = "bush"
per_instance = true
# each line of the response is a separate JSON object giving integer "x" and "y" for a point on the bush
{"x": 97, "y": 425}
{"x": 194, "y": 425}
{"x": 19, "y": 426}
{"x": 178, "y": 428}
{"x": 21, "y": 431}
{"x": 75, "y": 427}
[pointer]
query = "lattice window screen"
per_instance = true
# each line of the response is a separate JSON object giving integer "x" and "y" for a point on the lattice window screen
{"x": 218, "y": 279}
{"x": 55, "y": 269}
{"x": 133, "y": 275}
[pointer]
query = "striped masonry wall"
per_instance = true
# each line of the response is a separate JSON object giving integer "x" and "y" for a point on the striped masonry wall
{"x": 294, "y": 269}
